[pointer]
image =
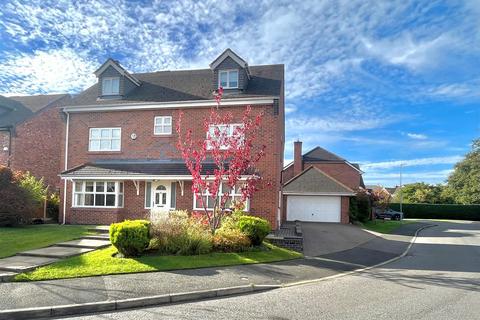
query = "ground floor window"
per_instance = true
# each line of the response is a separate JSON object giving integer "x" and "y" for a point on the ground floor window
{"x": 106, "y": 194}
{"x": 234, "y": 196}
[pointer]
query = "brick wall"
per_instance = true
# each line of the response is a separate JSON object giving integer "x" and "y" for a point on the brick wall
{"x": 4, "y": 143}
{"x": 37, "y": 145}
{"x": 345, "y": 217}
{"x": 339, "y": 171}
{"x": 149, "y": 146}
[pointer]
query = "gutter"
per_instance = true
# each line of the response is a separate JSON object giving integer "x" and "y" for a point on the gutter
{"x": 65, "y": 167}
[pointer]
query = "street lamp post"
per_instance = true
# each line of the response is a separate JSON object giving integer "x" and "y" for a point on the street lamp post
{"x": 401, "y": 187}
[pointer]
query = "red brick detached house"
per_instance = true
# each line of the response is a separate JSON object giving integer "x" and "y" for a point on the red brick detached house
{"x": 120, "y": 158}
{"x": 31, "y": 130}
{"x": 317, "y": 186}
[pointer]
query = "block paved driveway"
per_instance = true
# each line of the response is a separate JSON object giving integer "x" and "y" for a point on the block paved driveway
{"x": 438, "y": 279}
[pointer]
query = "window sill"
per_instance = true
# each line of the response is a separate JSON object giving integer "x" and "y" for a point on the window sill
{"x": 170, "y": 135}
{"x": 96, "y": 208}
{"x": 105, "y": 152}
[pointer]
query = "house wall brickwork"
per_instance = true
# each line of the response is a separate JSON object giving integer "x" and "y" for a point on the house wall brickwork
{"x": 4, "y": 143}
{"x": 37, "y": 144}
{"x": 148, "y": 146}
{"x": 345, "y": 216}
{"x": 339, "y": 171}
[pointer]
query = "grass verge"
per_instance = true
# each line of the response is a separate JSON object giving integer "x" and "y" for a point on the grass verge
{"x": 385, "y": 226}
{"x": 102, "y": 262}
{"x": 14, "y": 240}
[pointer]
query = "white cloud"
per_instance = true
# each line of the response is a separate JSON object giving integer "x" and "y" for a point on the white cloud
{"x": 393, "y": 179}
{"x": 52, "y": 71}
{"x": 410, "y": 162}
{"x": 416, "y": 136}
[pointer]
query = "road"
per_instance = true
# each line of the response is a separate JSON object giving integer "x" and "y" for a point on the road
{"x": 438, "y": 279}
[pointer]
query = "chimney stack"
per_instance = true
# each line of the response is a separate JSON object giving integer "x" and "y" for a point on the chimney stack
{"x": 297, "y": 157}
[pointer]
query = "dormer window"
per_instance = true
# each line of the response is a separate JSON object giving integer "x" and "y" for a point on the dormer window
{"x": 228, "y": 79}
{"x": 110, "y": 86}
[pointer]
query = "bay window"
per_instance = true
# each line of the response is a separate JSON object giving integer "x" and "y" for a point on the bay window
{"x": 107, "y": 194}
{"x": 234, "y": 195}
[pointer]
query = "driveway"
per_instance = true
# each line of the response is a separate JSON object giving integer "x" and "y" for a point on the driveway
{"x": 438, "y": 279}
{"x": 321, "y": 238}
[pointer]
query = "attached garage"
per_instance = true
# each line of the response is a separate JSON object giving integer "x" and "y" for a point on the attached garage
{"x": 314, "y": 196}
{"x": 314, "y": 208}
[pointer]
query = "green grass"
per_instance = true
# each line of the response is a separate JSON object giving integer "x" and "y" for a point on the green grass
{"x": 385, "y": 226}
{"x": 14, "y": 240}
{"x": 102, "y": 262}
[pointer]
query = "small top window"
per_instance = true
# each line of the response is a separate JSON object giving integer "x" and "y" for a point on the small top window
{"x": 110, "y": 86}
{"x": 228, "y": 79}
{"x": 163, "y": 125}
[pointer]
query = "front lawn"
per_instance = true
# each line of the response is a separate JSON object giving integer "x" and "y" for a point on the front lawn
{"x": 102, "y": 262}
{"x": 385, "y": 226}
{"x": 14, "y": 240}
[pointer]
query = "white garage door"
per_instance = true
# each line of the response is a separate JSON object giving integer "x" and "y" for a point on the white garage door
{"x": 314, "y": 208}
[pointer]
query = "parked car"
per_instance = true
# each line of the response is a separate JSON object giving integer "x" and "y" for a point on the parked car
{"x": 389, "y": 214}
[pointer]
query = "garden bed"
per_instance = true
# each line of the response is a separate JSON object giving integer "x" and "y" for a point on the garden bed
{"x": 385, "y": 226}
{"x": 103, "y": 262}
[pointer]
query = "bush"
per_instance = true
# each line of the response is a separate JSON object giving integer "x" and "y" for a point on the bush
{"x": 130, "y": 237}
{"x": 16, "y": 205}
{"x": 360, "y": 208}
{"x": 182, "y": 236}
{"x": 439, "y": 211}
{"x": 255, "y": 228}
{"x": 53, "y": 202}
{"x": 230, "y": 240}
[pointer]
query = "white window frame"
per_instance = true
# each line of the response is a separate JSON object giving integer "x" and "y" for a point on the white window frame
{"x": 100, "y": 139}
{"x": 231, "y": 130}
{"x": 112, "y": 91}
{"x": 233, "y": 193}
{"x": 162, "y": 125}
{"x": 117, "y": 193}
{"x": 228, "y": 72}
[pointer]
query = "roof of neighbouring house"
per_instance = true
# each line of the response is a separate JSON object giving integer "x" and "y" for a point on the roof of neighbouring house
{"x": 315, "y": 181}
{"x": 187, "y": 85}
{"x": 320, "y": 154}
{"x": 133, "y": 168}
{"x": 17, "y": 109}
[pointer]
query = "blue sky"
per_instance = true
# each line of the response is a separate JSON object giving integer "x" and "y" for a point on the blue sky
{"x": 377, "y": 82}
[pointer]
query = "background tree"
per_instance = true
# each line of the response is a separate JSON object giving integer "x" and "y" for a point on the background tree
{"x": 234, "y": 155}
{"x": 381, "y": 198}
{"x": 463, "y": 184}
{"x": 421, "y": 192}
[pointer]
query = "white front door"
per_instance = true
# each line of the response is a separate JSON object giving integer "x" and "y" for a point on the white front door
{"x": 161, "y": 195}
{"x": 314, "y": 208}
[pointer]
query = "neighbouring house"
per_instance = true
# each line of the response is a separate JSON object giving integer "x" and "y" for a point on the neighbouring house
{"x": 374, "y": 187}
{"x": 317, "y": 186}
{"x": 120, "y": 157}
{"x": 31, "y": 131}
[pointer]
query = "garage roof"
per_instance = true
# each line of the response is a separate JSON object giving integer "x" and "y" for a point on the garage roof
{"x": 315, "y": 181}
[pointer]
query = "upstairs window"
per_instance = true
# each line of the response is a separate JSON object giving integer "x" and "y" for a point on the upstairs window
{"x": 228, "y": 79}
{"x": 104, "y": 139}
{"x": 163, "y": 125}
{"x": 223, "y": 134}
{"x": 110, "y": 86}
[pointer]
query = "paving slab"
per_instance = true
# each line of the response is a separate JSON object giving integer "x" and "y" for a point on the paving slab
{"x": 100, "y": 236}
{"x": 6, "y": 275}
{"x": 55, "y": 252}
{"x": 100, "y": 229}
{"x": 85, "y": 243}
{"x": 24, "y": 263}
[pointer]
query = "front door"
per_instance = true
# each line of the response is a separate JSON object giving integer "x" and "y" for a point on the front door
{"x": 161, "y": 196}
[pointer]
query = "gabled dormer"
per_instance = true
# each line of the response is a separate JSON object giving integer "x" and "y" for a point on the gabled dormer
{"x": 114, "y": 82}
{"x": 230, "y": 72}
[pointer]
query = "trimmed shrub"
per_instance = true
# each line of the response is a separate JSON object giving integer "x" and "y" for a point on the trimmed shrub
{"x": 130, "y": 237}
{"x": 181, "y": 236}
{"x": 230, "y": 240}
{"x": 16, "y": 204}
{"x": 439, "y": 211}
{"x": 255, "y": 228}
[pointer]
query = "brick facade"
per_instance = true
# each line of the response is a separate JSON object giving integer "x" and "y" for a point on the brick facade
{"x": 37, "y": 144}
{"x": 148, "y": 146}
{"x": 4, "y": 147}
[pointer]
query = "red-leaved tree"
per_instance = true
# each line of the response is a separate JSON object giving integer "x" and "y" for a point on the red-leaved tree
{"x": 230, "y": 154}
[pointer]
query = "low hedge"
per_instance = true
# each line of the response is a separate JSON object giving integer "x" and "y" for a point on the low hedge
{"x": 255, "y": 228}
{"x": 130, "y": 237}
{"x": 439, "y": 211}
